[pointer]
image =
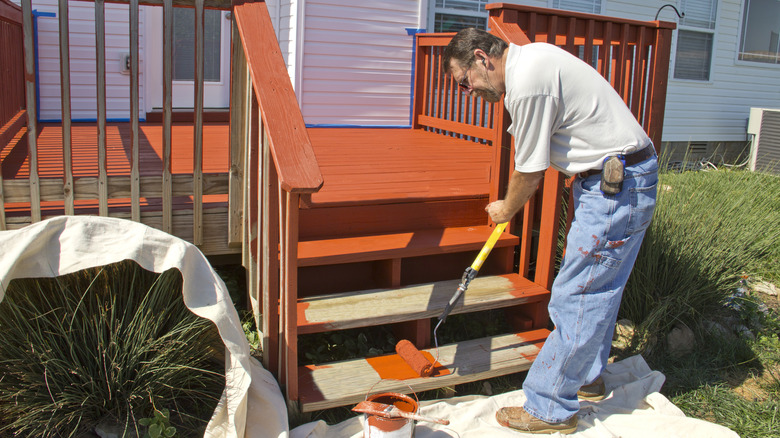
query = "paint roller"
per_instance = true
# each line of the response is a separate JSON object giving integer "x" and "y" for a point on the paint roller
{"x": 406, "y": 350}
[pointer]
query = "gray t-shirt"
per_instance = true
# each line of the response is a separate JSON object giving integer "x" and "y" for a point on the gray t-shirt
{"x": 564, "y": 113}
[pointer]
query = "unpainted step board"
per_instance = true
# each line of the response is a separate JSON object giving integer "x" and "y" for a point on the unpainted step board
{"x": 348, "y": 382}
{"x": 397, "y": 245}
{"x": 386, "y": 306}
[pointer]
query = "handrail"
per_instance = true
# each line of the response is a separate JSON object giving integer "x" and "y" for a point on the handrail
{"x": 562, "y": 13}
{"x": 292, "y": 151}
{"x": 279, "y": 166}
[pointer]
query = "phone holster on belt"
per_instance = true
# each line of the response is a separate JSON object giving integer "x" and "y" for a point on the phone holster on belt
{"x": 612, "y": 175}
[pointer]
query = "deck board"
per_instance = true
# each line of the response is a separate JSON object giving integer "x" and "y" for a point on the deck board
{"x": 342, "y": 383}
{"x": 85, "y": 153}
{"x": 375, "y": 165}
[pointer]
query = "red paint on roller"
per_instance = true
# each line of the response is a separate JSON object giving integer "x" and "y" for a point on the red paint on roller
{"x": 414, "y": 358}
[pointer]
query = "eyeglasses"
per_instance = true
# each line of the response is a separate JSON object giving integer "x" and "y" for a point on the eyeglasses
{"x": 463, "y": 84}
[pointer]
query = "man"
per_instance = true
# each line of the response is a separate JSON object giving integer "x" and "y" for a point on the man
{"x": 565, "y": 115}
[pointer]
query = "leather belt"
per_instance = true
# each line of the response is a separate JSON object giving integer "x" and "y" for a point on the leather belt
{"x": 630, "y": 159}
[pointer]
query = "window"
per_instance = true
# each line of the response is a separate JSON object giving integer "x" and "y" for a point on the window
{"x": 454, "y": 15}
{"x": 759, "y": 41}
{"x": 184, "y": 44}
{"x": 695, "y": 37}
{"x": 589, "y": 6}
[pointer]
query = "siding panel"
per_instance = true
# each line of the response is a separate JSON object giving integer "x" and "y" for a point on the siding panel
{"x": 82, "y": 63}
{"x": 358, "y": 55}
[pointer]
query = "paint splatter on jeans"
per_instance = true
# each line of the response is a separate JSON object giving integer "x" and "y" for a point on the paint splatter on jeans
{"x": 601, "y": 248}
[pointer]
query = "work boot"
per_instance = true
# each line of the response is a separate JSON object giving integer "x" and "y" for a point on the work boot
{"x": 517, "y": 418}
{"x": 592, "y": 392}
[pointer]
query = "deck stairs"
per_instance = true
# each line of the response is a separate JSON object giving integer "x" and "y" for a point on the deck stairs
{"x": 342, "y": 230}
{"x": 405, "y": 280}
{"x": 349, "y": 229}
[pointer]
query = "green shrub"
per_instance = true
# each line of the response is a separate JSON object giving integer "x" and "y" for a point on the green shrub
{"x": 709, "y": 229}
{"x": 110, "y": 344}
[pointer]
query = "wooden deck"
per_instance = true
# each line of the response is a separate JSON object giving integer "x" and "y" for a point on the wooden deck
{"x": 337, "y": 227}
{"x": 16, "y": 163}
{"x": 378, "y": 166}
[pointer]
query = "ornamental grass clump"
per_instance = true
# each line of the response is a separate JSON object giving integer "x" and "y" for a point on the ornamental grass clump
{"x": 108, "y": 345}
{"x": 710, "y": 229}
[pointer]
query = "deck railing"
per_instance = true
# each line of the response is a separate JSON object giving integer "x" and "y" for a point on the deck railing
{"x": 280, "y": 168}
{"x": 105, "y": 189}
{"x": 440, "y": 106}
{"x": 633, "y": 55}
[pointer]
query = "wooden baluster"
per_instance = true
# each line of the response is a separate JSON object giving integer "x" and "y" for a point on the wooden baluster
{"x": 135, "y": 165}
{"x": 32, "y": 111}
{"x": 100, "y": 68}
{"x": 167, "y": 201}
{"x": 239, "y": 101}
{"x": 639, "y": 75}
{"x": 197, "y": 165}
{"x": 67, "y": 139}
{"x": 269, "y": 230}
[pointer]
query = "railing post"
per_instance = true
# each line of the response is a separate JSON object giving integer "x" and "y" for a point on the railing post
{"x": 32, "y": 110}
{"x": 656, "y": 94}
{"x": 67, "y": 153}
{"x": 135, "y": 172}
{"x": 197, "y": 165}
{"x": 100, "y": 71}
{"x": 239, "y": 97}
{"x": 167, "y": 216}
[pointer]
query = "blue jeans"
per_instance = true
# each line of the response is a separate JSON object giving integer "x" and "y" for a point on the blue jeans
{"x": 601, "y": 247}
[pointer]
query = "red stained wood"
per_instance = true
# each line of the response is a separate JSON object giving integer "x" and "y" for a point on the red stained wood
{"x": 294, "y": 157}
{"x": 389, "y": 246}
{"x": 85, "y": 152}
{"x": 374, "y": 166}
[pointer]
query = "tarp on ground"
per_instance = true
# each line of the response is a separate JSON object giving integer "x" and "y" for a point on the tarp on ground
{"x": 252, "y": 404}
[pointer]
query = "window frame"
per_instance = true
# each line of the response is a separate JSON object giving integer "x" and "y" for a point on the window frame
{"x": 602, "y": 6}
{"x": 689, "y": 28}
{"x": 433, "y": 10}
{"x": 737, "y": 49}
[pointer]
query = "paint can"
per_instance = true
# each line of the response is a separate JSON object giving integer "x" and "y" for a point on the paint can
{"x": 375, "y": 426}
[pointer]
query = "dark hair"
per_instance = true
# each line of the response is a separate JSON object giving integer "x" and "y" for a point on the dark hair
{"x": 462, "y": 47}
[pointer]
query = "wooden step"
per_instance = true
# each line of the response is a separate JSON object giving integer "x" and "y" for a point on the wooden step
{"x": 386, "y": 306}
{"x": 348, "y": 382}
{"x": 397, "y": 245}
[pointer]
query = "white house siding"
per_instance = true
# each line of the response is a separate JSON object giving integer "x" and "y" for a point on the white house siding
{"x": 717, "y": 111}
{"x": 82, "y": 63}
{"x": 283, "y": 16}
{"x": 357, "y": 61}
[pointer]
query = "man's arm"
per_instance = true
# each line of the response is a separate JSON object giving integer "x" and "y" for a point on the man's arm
{"x": 521, "y": 187}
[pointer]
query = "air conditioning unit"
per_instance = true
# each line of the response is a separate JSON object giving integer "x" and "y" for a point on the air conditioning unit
{"x": 764, "y": 126}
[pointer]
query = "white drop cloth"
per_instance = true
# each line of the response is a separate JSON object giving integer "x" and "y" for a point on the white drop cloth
{"x": 633, "y": 409}
{"x": 252, "y": 405}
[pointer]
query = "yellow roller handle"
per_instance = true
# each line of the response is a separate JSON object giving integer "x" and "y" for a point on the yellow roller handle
{"x": 491, "y": 242}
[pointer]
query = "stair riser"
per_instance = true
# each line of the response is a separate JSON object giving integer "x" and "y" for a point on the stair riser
{"x": 343, "y": 221}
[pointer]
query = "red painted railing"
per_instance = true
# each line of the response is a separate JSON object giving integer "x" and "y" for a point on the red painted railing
{"x": 11, "y": 61}
{"x": 633, "y": 55}
{"x": 279, "y": 167}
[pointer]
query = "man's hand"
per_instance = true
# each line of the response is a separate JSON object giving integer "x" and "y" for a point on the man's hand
{"x": 521, "y": 187}
{"x": 497, "y": 212}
